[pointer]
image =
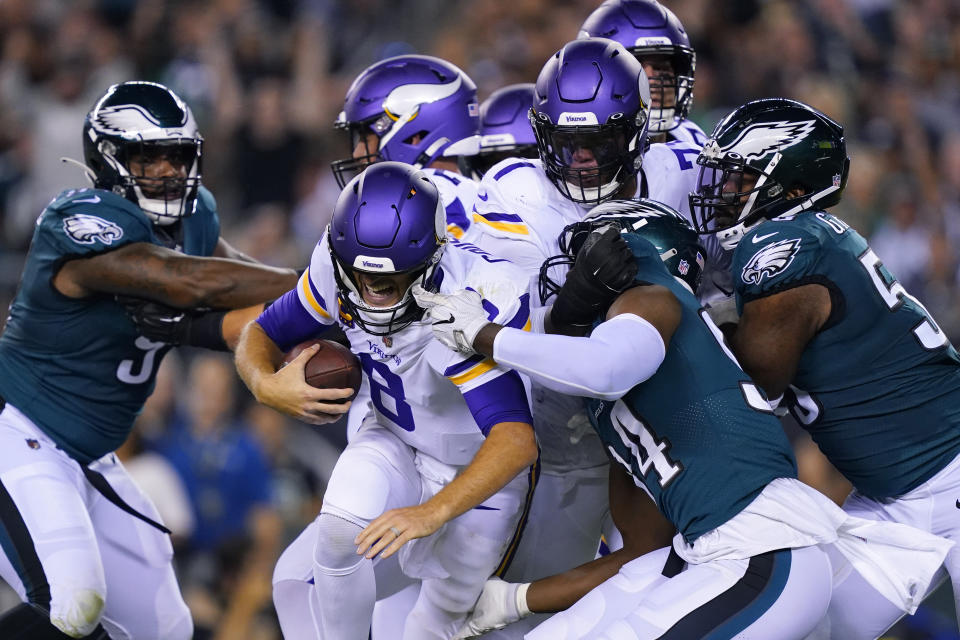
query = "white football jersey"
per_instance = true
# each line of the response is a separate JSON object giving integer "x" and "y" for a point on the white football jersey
{"x": 688, "y": 131}
{"x": 416, "y": 383}
{"x": 519, "y": 215}
{"x": 458, "y": 193}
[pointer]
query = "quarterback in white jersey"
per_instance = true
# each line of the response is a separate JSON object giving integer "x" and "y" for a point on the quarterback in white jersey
{"x": 441, "y": 470}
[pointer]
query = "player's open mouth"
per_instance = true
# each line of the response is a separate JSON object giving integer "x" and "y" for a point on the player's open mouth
{"x": 379, "y": 293}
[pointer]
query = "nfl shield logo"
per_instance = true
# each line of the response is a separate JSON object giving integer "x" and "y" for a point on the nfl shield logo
{"x": 33, "y": 444}
{"x": 387, "y": 341}
{"x": 683, "y": 267}
{"x": 836, "y": 180}
{"x": 473, "y": 109}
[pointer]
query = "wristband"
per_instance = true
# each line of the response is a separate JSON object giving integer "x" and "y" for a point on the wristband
{"x": 206, "y": 331}
{"x": 522, "y": 607}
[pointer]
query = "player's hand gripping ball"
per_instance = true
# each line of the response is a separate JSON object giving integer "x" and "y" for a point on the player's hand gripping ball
{"x": 332, "y": 367}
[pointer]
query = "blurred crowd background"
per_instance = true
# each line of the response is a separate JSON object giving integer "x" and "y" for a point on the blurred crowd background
{"x": 266, "y": 79}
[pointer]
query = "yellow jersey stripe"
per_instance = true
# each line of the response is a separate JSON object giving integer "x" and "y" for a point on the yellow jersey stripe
{"x": 510, "y": 227}
{"x": 308, "y": 294}
{"x": 477, "y": 370}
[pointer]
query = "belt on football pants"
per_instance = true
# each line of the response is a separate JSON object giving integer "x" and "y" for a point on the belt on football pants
{"x": 100, "y": 483}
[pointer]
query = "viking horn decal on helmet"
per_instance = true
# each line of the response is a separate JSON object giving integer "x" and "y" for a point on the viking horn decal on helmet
{"x": 408, "y": 97}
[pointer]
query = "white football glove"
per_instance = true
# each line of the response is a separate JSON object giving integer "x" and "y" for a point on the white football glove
{"x": 500, "y": 604}
{"x": 456, "y": 317}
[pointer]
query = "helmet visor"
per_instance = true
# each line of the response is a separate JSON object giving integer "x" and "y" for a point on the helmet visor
{"x": 164, "y": 170}
{"x": 364, "y": 148}
{"x": 727, "y": 193}
{"x": 587, "y": 161}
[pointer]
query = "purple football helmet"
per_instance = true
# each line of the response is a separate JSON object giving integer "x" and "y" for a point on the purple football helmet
{"x": 418, "y": 108}
{"x": 653, "y": 34}
{"x": 387, "y": 220}
{"x": 590, "y": 112}
{"x": 505, "y": 130}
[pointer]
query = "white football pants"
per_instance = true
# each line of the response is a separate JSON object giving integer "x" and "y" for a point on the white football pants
{"x": 70, "y": 550}
{"x": 779, "y": 595}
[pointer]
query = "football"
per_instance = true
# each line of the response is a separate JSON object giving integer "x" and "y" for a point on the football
{"x": 333, "y": 366}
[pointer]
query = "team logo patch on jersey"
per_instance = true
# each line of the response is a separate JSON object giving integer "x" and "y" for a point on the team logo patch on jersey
{"x": 770, "y": 261}
{"x": 86, "y": 229}
{"x": 33, "y": 444}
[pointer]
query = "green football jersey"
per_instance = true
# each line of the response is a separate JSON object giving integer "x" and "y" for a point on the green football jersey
{"x": 698, "y": 435}
{"x": 879, "y": 386}
{"x": 77, "y": 367}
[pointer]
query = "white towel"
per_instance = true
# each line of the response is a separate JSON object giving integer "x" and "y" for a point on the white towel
{"x": 898, "y": 560}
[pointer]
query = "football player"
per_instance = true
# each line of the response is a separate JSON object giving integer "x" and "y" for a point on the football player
{"x": 505, "y": 130}
{"x": 82, "y": 546}
{"x": 420, "y": 110}
{"x": 441, "y": 468}
{"x": 423, "y": 111}
{"x": 653, "y": 34}
{"x": 590, "y": 115}
{"x": 686, "y": 427}
{"x": 858, "y": 360}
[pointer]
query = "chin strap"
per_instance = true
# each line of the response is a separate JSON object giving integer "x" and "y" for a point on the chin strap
{"x": 87, "y": 170}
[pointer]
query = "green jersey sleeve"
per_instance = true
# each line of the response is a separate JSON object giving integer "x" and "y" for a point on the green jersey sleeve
{"x": 88, "y": 221}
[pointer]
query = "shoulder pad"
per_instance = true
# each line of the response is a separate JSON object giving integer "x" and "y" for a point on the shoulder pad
{"x": 205, "y": 200}
{"x": 90, "y": 220}
{"x": 99, "y": 199}
{"x": 773, "y": 254}
{"x": 512, "y": 199}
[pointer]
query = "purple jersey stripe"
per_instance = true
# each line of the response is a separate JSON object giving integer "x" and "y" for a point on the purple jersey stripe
{"x": 501, "y": 217}
{"x": 448, "y": 177}
{"x": 510, "y": 167}
{"x": 519, "y": 319}
{"x": 316, "y": 294}
{"x": 287, "y": 323}
{"x": 460, "y": 367}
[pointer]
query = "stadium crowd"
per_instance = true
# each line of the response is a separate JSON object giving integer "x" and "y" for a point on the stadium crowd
{"x": 266, "y": 80}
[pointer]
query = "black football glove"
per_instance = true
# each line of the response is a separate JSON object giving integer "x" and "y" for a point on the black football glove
{"x": 160, "y": 323}
{"x": 604, "y": 267}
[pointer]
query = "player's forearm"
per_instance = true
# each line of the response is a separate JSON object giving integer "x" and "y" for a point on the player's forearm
{"x": 155, "y": 273}
{"x": 256, "y": 356}
{"x": 509, "y": 449}
{"x": 620, "y": 354}
{"x": 561, "y": 591}
{"x": 237, "y": 284}
{"x": 235, "y": 321}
